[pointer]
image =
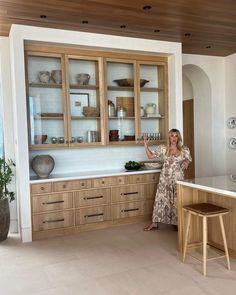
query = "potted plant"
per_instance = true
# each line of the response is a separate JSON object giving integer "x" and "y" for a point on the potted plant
{"x": 6, "y": 174}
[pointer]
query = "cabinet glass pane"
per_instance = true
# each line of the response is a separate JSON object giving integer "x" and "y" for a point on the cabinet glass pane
{"x": 84, "y": 101}
{"x": 45, "y": 100}
{"x": 152, "y": 102}
{"x": 121, "y": 101}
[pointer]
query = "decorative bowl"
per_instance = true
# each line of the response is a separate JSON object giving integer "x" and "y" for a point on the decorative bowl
{"x": 129, "y": 82}
{"x": 132, "y": 166}
{"x": 40, "y": 139}
{"x": 151, "y": 164}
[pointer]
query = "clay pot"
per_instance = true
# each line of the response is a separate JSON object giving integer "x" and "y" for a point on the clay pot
{"x": 4, "y": 218}
{"x": 43, "y": 165}
{"x": 56, "y": 76}
{"x": 83, "y": 78}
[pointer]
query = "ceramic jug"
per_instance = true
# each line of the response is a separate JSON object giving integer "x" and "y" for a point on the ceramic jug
{"x": 150, "y": 108}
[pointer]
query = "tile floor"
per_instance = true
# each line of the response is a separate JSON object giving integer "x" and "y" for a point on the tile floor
{"x": 120, "y": 260}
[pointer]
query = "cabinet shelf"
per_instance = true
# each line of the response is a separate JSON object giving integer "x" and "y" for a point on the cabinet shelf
{"x": 151, "y": 89}
{"x": 84, "y": 118}
{"x": 76, "y": 86}
{"x": 45, "y": 85}
{"x": 48, "y": 118}
{"x": 118, "y": 88}
{"x": 151, "y": 118}
{"x": 121, "y": 118}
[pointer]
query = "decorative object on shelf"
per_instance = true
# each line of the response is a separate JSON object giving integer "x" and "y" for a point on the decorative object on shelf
{"x": 92, "y": 136}
{"x": 151, "y": 164}
{"x": 40, "y": 139}
{"x": 129, "y": 137}
{"x": 52, "y": 115}
{"x": 132, "y": 166}
{"x": 121, "y": 112}
{"x": 142, "y": 112}
{"x": 6, "y": 174}
{"x": 232, "y": 177}
{"x": 231, "y": 122}
{"x": 44, "y": 76}
{"x": 232, "y": 143}
{"x": 126, "y": 102}
{"x": 54, "y": 140}
{"x": 114, "y": 135}
{"x": 61, "y": 139}
{"x": 150, "y": 109}
{"x": 91, "y": 111}
{"x": 83, "y": 78}
{"x": 111, "y": 109}
{"x": 56, "y": 76}
{"x": 77, "y": 102}
{"x": 80, "y": 139}
{"x": 72, "y": 139}
{"x": 43, "y": 165}
{"x": 129, "y": 82}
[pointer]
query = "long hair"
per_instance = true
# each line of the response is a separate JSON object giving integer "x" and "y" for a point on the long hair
{"x": 179, "y": 143}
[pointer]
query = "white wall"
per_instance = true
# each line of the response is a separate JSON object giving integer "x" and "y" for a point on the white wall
{"x": 187, "y": 88}
{"x": 6, "y": 94}
{"x": 80, "y": 159}
{"x": 209, "y": 101}
{"x": 230, "y": 109}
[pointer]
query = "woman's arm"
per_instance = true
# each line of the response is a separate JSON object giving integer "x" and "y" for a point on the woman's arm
{"x": 149, "y": 153}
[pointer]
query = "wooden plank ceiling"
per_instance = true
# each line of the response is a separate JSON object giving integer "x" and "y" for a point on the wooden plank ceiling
{"x": 203, "y": 26}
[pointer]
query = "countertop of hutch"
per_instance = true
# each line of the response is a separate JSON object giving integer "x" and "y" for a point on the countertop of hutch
{"x": 224, "y": 185}
{"x": 89, "y": 174}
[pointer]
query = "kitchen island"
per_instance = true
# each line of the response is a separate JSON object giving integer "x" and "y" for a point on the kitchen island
{"x": 218, "y": 190}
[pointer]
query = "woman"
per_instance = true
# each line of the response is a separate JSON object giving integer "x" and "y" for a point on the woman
{"x": 176, "y": 159}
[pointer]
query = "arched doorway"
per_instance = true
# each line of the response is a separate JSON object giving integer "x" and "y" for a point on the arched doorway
{"x": 197, "y": 85}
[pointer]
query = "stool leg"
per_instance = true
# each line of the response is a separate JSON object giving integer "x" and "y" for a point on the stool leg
{"x": 224, "y": 240}
{"x": 204, "y": 244}
{"x": 186, "y": 235}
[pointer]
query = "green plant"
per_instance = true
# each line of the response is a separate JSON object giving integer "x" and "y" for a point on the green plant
{"x": 6, "y": 174}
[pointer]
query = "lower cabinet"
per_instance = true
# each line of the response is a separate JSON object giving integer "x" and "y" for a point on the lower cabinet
{"x": 71, "y": 206}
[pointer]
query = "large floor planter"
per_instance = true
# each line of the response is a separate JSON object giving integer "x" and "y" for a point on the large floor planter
{"x": 4, "y": 219}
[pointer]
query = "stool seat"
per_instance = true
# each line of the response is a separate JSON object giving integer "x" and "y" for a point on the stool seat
{"x": 206, "y": 209}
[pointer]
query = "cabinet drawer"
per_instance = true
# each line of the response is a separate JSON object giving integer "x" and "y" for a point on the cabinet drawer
{"x": 90, "y": 215}
{"x": 149, "y": 206}
{"x": 153, "y": 177}
{"x": 53, "y": 220}
{"x": 101, "y": 182}
{"x": 53, "y": 202}
{"x": 92, "y": 197}
{"x": 71, "y": 185}
{"x": 41, "y": 188}
{"x": 139, "y": 178}
{"x": 119, "y": 180}
{"x": 127, "y": 193}
{"x": 150, "y": 190}
{"x": 124, "y": 210}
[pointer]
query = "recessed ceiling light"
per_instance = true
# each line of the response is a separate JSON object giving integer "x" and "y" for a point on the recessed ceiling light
{"x": 123, "y": 26}
{"x": 43, "y": 16}
{"x": 156, "y": 31}
{"x": 208, "y": 46}
{"x": 84, "y": 22}
{"x": 147, "y": 7}
{"x": 187, "y": 34}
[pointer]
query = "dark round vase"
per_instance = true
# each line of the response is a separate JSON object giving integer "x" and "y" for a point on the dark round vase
{"x": 43, "y": 165}
{"x": 4, "y": 219}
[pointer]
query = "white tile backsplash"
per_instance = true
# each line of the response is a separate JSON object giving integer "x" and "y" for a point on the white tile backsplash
{"x": 89, "y": 159}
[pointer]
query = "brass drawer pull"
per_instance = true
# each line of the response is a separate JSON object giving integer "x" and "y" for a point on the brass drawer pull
{"x": 64, "y": 185}
{"x": 93, "y": 215}
{"x": 54, "y": 202}
{"x": 42, "y": 188}
{"x": 91, "y": 198}
{"x": 125, "y": 194}
{"x": 127, "y": 210}
{"x": 82, "y": 184}
{"x": 55, "y": 220}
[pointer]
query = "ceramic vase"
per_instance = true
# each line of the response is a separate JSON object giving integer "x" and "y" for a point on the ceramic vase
{"x": 43, "y": 165}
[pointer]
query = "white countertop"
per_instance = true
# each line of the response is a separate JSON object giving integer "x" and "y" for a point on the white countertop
{"x": 88, "y": 174}
{"x": 225, "y": 185}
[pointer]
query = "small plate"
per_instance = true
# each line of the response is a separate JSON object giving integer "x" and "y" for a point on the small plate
{"x": 232, "y": 143}
{"x": 231, "y": 122}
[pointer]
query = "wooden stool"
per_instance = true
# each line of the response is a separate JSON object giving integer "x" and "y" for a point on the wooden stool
{"x": 206, "y": 210}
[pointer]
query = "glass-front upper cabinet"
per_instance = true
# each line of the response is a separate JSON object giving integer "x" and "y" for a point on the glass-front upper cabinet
{"x": 45, "y": 100}
{"x": 121, "y": 101}
{"x": 153, "y": 101}
{"x": 84, "y": 101}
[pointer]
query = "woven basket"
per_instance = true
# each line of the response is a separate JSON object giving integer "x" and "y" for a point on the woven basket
{"x": 91, "y": 112}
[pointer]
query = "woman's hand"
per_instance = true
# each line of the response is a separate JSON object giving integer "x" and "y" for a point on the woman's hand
{"x": 185, "y": 164}
{"x": 146, "y": 141}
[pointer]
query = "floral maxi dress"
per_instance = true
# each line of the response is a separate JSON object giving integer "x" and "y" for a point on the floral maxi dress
{"x": 165, "y": 205}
